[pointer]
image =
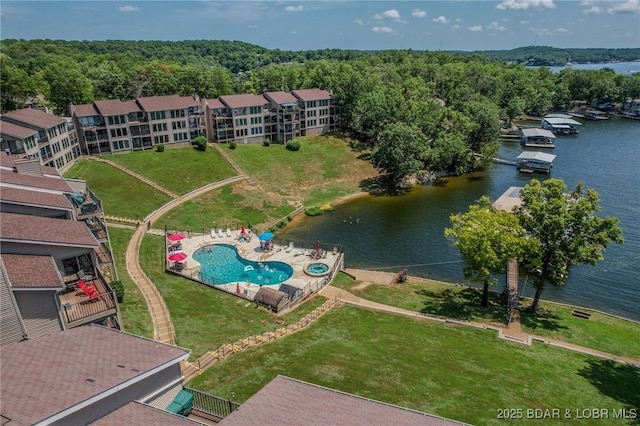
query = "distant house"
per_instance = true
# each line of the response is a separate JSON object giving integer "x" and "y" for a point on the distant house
{"x": 317, "y": 116}
{"x": 241, "y": 118}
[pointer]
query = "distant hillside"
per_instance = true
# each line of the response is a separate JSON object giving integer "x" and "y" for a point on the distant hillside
{"x": 549, "y": 56}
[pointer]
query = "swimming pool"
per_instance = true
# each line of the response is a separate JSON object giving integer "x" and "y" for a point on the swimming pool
{"x": 221, "y": 264}
{"x": 316, "y": 269}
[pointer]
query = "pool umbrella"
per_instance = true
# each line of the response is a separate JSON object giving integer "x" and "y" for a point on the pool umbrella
{"x": 242, "y": 230}
{"x": 237, "y": 288}
{"x": 177, "y": 257}
{"x": 317, "y": 245}
{"x": 175, "y": 237}
{"x": 265, "y": 236}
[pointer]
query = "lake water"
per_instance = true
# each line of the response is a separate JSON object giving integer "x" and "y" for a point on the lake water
{"x": 618, "y": 67}
{"x": 389, "y": 233}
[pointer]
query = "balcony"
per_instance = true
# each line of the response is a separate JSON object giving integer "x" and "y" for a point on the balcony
{"x": 97, "y": 228}
{"x": 76, "y": 309}
{"x": 86, "y": 204}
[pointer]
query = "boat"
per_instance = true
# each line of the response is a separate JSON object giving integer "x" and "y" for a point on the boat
{"x": 561, "y": 126}
{"x": 591, "y": 115}
{"x": 537, "y": 138}
{"x": 535, "y": 162}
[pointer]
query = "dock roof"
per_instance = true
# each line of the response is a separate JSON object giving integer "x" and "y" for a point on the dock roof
{"x": 566, "y": 121}
{"x": 537, "y": 156}
{"x": 532, "y": 132}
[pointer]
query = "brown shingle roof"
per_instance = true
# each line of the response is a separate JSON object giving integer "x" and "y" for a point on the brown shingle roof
{"x": 243, "y": 100}
{"x": 311, "y": 94}
{"x": 164, "y": 103}
{"x": 37, "y": 198}
{"x": 115, "y": 107}
{"x": 35, "y": 117}
{"x": 15, "y": 130}
{"x": 44, "y": 230}
{"x": 85, "y": 110}
{"x": 281, "y": 97}
{"x": 284, "y": 401}
{"x": 44, "y": 376}
{"x": 28, "y": 271}
{"x": 44, "y": 182}
{"x": 135, "y": 413}
{"x": 214, "y": 103}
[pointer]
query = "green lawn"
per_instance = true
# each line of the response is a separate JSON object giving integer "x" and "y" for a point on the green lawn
{"x": 180, "y": 170}
{"x": 121, "y": 194}
{"x": 456, "y": 372}
{"x": 601, "y": 332}
{"x": 324, "y": 169}
{"x": 205, "y": 318}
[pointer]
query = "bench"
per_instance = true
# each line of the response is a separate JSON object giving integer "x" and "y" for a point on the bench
{"x": 580, "y": 314}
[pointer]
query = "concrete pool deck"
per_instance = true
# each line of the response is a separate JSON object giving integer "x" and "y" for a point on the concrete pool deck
{"x": 296, "y": 257}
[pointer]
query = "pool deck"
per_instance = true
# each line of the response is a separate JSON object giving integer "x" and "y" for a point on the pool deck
{"x": 296, "y": 257}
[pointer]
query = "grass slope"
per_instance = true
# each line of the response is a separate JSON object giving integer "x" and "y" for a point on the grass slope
{"x": 456, "y": 372}
{"x": 121, "y": 194}
{"x": 180, "y": 170}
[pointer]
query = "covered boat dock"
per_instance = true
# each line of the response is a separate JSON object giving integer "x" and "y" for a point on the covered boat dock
{"x": 561, "y": 126}
{"x": 537, "y": 138}
{"x": 535, "y": 161}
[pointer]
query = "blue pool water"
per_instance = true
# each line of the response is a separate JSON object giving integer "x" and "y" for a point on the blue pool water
{"x": 221, "y": 264}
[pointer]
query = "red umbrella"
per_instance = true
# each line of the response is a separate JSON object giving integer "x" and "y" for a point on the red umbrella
{"x": 237, "y": 288}
{"x": 317, "y": 245}
{"x": 175, "y": 237}
{"x": 177, "y": 257}
{"x": 242, "y": 230}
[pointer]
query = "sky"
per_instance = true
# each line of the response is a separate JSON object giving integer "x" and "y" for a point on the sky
{"x": 364, "y": 25}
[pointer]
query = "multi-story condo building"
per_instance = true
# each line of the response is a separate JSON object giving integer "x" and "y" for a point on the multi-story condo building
{"x": 33, "y": 133}
{"x": 115, "y": 126}
{"x": 279, "y": 116}
{"x": 52, "y": 235}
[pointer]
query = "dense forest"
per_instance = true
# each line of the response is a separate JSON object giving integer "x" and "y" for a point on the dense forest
{"x": 550, "y": 56}
{"x": 413, "y": 109}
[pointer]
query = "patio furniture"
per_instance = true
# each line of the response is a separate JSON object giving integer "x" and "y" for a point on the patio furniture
{"x": 228, "y": 232}
{"x": 213, "y": 233}
{"x": 89, "y": 290}
{"x": 220, "y": 234}
{"x": 289, "y": 248}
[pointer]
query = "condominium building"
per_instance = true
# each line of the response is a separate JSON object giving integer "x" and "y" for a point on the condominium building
{"x": 33, "y": 133}
{"x": 278, "y": 116}
{"x": 118, "y": 126}
{"x": 52, "y": 235}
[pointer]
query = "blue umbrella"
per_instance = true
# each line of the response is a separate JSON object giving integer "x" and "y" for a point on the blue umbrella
{"x": 265, "y": 236}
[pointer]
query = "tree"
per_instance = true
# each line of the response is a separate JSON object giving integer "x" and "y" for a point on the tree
{"x": 400, "y": 151}
{"x": 67, "y": 84}
{"x": 487, "y": 240}
{"x": 16, "y": 85}
{"x": 200, "y": 143}
{"x": 564, "y": 231}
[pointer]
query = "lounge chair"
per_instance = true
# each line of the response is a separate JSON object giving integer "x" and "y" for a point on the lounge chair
{"x": 213, "y": 233}
{"x": 289, "y": 247}
{"x": 229, "y": 232}
{"x": 89, "y": 290}
{"x": 220, "y": 234}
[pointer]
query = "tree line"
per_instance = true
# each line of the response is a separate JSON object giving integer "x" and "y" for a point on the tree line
{"x": 413, "y": 110}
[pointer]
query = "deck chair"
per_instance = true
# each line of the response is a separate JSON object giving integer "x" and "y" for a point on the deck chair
{"x": 89, "y": 291}
{"x": 228, "y": 232}
{"x": 289, "y": 248}
{"x": 213, "y": 233}
{"x": 220, "y": 234}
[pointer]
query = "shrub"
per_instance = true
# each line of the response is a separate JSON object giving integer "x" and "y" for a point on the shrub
{"x": 327, "y": 207}
{"x": 313, "y": 211}
{"x": 293, "y": 145}
{"x": 118, "y": 288}
{"x": 160, "y": 147}
{"x": 267, "y": 142}
{"x": 201, "y": 143}
{"x": 233, "y": 145}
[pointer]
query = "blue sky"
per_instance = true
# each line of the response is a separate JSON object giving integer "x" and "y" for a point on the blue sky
{"x": 300, "y": 25}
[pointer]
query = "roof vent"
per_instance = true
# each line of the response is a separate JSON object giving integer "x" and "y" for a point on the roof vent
{"x": 90, "y": 380}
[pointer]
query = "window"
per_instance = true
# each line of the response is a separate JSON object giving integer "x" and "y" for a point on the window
{"x": 323, "y": 102}
{"x": 256, "y": 130}
{"x": 65, "y": 143}
{"x": 116, "y": 133}
{"x": 177, "y": 113}
{"x": 311, "y": 123}
{"x": 324, "y": 111}
{"x": 241, "y": 132}
{"x": 324, "y": 120}
{"x": 117, "y": 145}
{"x": 179, "y": 125}
{"x": 180, "y": 137}
{"x": 59, "y": 163}
{"x": 311, "y": 104}
{"x": 241, "y": 121}
{"x": 160, "y": 127}
{"x": 161, "y": 139}
{"x": 56, "y": 147}
{"x": 158, "y": 115}
{"x": 256, "y": 120}
{"x": 116, "y": 119}
{"x": 255, "y": 110}
{"x": 312, "y": 113}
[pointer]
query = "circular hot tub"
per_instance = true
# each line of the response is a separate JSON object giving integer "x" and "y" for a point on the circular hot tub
{"x": 316, "y": 269}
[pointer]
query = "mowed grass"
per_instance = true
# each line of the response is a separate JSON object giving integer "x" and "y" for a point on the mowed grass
{"x": 456, "y": 372}
{"x": 204, "y": 318}
{"x": 227, "y": 206}
{"x": 602, "y": 332}
{"x": 121, "y": 194}
{"x": 178, "y": 169}
{"x": 133, "y": 309}
{"x": 324, "y": 169}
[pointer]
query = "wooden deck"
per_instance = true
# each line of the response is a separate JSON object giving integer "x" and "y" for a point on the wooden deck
{"x": 77, "y": 309}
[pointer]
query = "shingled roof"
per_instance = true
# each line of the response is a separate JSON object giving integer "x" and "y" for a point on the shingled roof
{"x": 243, "y": 100}
{"x": 29, "y": 271}
{"x": 311, "y": 94}
{"x": 44, "y": 182}
{"x": 34, "y": 198}
{"x": 281, "y": 97}
{"x": 62, "y": 372}
{"x": 164, "y": 103}
{"x": 16, "y": 130}
{"x": 43, "y": 230}
{"x": 135, "y": 413}
{"x": 285, "y": 401}
{"x": 116, "y": 107}
{"x": 35, "y": 117}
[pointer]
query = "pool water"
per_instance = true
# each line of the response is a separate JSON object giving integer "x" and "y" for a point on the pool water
{"x": 221, "y": 264}
{"x": 317, "y": 269}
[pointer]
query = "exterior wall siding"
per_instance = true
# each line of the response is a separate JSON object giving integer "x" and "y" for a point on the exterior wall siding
{"x": 12, "y": 331}
{"x": 39, "y": 312}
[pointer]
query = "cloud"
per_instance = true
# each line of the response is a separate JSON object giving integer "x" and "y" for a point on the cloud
{"x": 417, "y": 13}
{"x": 525, "y": 4}
{"x": 630, "y": 6}
{"x": 524, "y": 22}
{"x": 476, "y": 28}
{"x": 294, "y": 8}
{"x": 541, "y": 31}
{"x": 495, "y": 26}
{"x": 456, "y": 27}
{"x": 441, "y": 19}
{"x": 593, "y": 10}
{"x": 253, "y": 26}
{"x": 400, "y": 21}
{"x": 382, "y": 30}
{"x": 391, "y": 13}
{"x": 458, "y": 20}
{"x": 128, "y": 8}
{"x": 359, "y": 21}
{"x": 562, "y": 30}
